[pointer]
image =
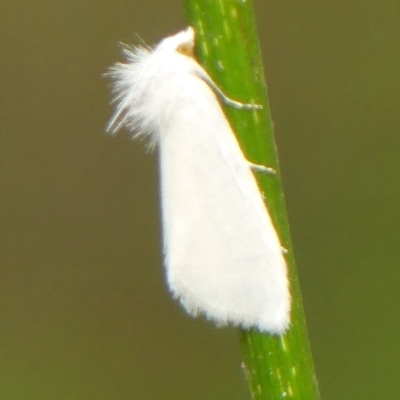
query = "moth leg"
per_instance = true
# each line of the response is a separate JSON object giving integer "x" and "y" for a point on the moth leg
{"x": 261, "y": 168}
{"x": 227, "y": 100}
{"x": 236, "y": 104}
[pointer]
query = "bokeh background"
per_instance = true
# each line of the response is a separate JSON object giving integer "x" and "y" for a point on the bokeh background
{"x": 84, "y": 311}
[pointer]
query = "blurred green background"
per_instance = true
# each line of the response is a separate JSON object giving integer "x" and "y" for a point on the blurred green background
{"x": 84, "y": 311}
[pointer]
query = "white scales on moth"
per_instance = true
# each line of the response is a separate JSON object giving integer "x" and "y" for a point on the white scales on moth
{"x": 223, "y": 257}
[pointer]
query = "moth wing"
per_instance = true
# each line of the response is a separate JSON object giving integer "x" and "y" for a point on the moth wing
{"x": 223, "y": 257}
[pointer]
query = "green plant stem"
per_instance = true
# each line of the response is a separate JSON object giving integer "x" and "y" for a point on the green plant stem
{"x": 276, "y": 367}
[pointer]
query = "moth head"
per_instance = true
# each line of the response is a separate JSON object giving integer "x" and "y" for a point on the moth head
{"x": 182, "y": 43}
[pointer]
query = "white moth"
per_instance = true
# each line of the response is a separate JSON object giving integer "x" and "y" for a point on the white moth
{"x": 223, "y": 257}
